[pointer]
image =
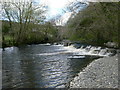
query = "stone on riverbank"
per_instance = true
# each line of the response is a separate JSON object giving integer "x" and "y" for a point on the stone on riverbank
{"x": 101, "y": 73}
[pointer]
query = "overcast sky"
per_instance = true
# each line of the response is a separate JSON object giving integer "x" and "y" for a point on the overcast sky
{"x": 56, "y": 7}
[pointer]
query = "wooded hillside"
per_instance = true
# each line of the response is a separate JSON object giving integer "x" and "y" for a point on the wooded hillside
{"x": 96, "y": 24}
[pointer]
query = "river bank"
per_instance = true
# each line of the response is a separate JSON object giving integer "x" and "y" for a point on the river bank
{"x": 101, "y": 73}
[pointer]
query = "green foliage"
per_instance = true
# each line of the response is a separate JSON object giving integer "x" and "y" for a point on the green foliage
{"x": 5, "y": 28}
{"x": 36, "y": 33}
{"x": 96, "y": 24}
{"x": 86, "y": 22}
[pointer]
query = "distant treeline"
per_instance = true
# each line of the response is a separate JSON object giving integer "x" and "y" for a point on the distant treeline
{"x": 40, "y": 33}
{"x": 96, "y": 24}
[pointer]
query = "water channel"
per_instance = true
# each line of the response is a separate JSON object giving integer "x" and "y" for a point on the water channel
{"x": 40, "y": 66}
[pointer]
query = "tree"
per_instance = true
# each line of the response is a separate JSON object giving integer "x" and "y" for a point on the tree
{"x": 25, "y": 15}
{"x": 96, "y": 23}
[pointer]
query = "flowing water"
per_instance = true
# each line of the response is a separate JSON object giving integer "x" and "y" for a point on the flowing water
{"x": 40, "y": 66}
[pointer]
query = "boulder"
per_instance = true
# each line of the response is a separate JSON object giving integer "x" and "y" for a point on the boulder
{"x": 111, "y": 44}
{"x": 66, "y": 42}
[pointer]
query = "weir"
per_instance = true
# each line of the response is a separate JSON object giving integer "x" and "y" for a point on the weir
{"x": 91, "y": 50}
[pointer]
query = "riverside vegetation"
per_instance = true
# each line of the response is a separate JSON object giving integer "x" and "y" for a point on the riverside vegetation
{"x": 96, "y": 24}
{"x": 25, "y": 24}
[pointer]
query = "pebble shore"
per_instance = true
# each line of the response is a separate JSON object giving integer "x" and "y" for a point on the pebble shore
{"x": 101, "y": 73}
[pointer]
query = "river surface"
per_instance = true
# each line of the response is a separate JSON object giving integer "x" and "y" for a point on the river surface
{"x": 39, "y": 66}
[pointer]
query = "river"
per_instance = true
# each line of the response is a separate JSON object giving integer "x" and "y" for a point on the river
{"x": 40, "y": 66}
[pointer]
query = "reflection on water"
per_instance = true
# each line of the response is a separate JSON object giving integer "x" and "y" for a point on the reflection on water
{"x": 37, "y": 66}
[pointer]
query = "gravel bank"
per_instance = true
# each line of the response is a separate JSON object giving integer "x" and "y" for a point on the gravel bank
{"x": 101, "y": 73}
